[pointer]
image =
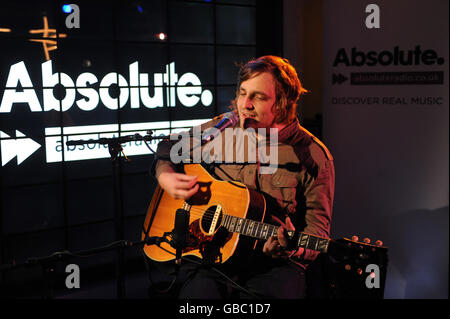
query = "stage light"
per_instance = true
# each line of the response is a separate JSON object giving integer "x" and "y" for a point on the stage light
{"x": 162, "y": 36}
{"x": 67, "y": 8}
{"x": 139, "y": 8}
{"x": 87, "y": 63}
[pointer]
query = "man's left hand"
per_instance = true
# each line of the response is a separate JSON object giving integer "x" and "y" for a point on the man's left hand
{"x": 276, "y": 246}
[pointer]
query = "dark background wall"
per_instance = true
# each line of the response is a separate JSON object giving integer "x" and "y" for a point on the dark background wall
{"x": 48, "y": 207}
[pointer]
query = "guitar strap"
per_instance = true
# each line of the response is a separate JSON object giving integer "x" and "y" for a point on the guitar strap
{"x": 211, "y": 170}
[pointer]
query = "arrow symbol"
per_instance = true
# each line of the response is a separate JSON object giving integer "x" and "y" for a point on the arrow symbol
{"x": 339, "y": 78}
{"x": 21, "y": 147}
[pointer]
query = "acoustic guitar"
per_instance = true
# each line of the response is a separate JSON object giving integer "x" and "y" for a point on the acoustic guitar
{"x": 228, "y": 216}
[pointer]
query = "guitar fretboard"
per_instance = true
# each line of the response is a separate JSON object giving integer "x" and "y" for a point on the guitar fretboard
{"x": 260, "y": 230}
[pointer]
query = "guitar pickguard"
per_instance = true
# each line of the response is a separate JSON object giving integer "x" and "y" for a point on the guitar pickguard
{"x": 196, "y": 236}
{"x": 209, "y": 246}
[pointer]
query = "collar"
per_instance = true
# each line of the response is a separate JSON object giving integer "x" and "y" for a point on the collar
{"x": 291, "y": 133}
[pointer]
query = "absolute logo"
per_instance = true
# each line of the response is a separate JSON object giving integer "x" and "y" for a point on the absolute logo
{"x": 22, "y": 147}
{"x": 167, "y": 87}
{"x": 417, "y": 56}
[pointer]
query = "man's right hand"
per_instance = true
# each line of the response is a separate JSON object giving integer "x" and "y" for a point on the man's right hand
{"x": 178, "y": 185}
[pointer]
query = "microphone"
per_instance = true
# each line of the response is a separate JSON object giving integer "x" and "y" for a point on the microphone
{"x": 229, "y": 119}
{"x": 180, "y": 233}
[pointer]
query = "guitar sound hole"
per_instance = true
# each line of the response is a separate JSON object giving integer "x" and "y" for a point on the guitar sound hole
{"x": 207, "y": 219}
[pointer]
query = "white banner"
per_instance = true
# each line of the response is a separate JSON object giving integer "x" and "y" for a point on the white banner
{"x": 56, "y": 139}
{"x": 385, "y": 84}
{"x": 55, "y": 146}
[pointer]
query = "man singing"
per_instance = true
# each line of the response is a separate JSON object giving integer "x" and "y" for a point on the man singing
{"x": 301, "y": 188}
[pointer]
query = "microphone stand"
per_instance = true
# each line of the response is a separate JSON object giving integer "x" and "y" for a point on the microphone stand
{"x": 48, "y": 262}
{"x": 180, "y": 234}
{"x": 115, "y": 150}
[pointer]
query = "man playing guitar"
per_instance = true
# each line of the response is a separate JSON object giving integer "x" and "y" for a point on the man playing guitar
{"x": 267, "y": 93}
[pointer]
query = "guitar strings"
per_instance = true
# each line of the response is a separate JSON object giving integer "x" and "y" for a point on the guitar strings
{"x": 198, "y": 213}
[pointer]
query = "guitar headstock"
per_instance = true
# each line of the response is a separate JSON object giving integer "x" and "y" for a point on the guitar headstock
{"x": 356, "y": 266}
{"x": 356, "y": 254}
{"x": 365, "y": 242}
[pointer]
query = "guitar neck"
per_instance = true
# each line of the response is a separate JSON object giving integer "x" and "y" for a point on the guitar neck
{"x": 255, "y": 229}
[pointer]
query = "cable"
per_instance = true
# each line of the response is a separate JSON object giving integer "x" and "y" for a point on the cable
{"x": 146, "y": 144}
{"x": 147, "y": 266}
{"x": 152, "y": 284}
{"x": 236, "y": 285}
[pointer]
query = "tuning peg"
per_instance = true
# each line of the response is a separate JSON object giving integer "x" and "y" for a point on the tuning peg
{"x": 355, "y": 238}
{"x": 379, "y": 243}
{"x": 366, "y": 240}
